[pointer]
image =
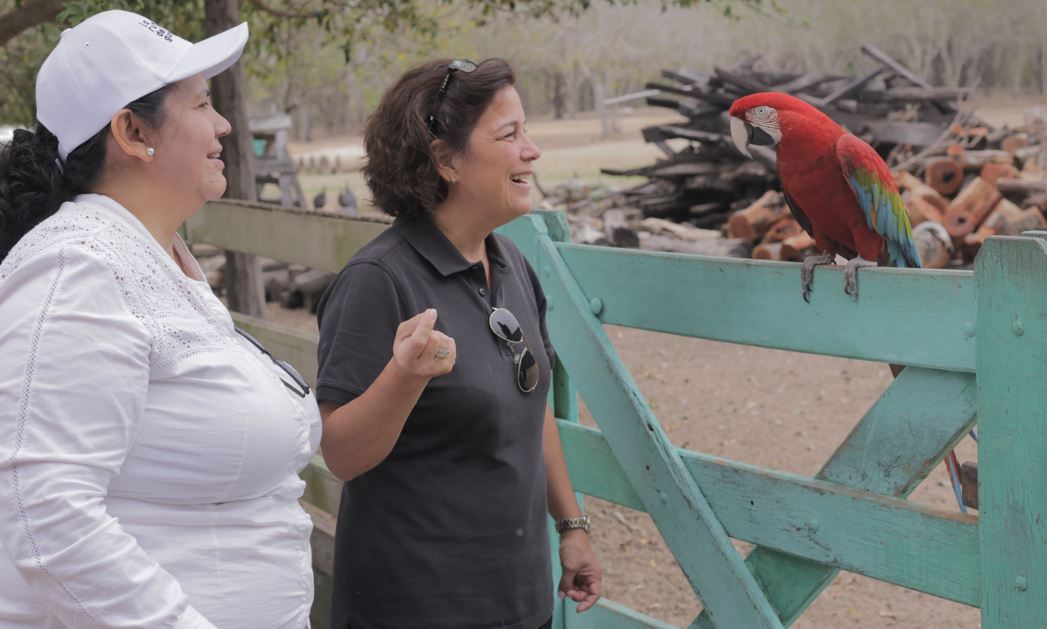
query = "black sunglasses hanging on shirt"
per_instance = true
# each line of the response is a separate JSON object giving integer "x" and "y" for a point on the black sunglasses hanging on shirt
{"x": 505, "y": 326}
{"x": 300, "y": 386}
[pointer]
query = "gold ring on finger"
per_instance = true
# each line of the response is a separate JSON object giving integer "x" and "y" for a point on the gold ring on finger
{"x": 442, "y": 353}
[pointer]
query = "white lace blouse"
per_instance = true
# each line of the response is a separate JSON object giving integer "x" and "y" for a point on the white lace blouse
{"x": 148, "y": 454}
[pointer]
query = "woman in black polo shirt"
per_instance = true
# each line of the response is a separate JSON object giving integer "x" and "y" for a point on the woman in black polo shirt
{"x": 434, "y": 369}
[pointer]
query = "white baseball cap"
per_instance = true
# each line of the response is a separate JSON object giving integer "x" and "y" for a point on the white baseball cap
{"x": 114, "y": 58}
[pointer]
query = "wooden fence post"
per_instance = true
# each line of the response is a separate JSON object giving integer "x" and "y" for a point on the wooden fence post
{"x": 1011, "y": 359}
{"x": 565, "y": 406}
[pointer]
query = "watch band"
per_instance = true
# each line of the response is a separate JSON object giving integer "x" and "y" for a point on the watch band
{"x": 581, "y": 522}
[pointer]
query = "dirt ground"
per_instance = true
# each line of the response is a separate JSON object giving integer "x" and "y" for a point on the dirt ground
{"x": 772, "y": 408}
{"x": 776, "y": 409}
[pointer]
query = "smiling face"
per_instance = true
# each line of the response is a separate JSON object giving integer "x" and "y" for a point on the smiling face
{"x": 187, "y": 148}
{"x": 495, "y": 171}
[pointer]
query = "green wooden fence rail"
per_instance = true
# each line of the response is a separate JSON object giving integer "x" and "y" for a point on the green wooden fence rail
{"x": 947, "y": 326}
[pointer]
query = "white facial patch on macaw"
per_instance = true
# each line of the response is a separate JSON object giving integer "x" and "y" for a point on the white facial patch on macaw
{"x": 764, "y": 118}
{"x": 760, "y": 128}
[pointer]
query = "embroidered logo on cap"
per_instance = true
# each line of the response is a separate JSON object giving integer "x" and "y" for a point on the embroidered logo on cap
{"x": 160, "y": 32}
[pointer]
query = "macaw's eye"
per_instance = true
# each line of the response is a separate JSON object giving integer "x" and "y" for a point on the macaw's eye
{"x": 763, "y": 110}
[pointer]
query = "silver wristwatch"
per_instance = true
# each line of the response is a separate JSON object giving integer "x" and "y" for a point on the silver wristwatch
{"x": 581, "y": 522}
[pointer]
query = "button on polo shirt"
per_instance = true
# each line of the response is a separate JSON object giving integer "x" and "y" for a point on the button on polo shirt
{"x": 449, "y": 531}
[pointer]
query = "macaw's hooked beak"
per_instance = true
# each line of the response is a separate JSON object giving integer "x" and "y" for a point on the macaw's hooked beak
{"x": 742, "y": 135}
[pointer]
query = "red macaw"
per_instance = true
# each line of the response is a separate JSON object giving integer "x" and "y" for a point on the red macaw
{"x": 837, "y": 186}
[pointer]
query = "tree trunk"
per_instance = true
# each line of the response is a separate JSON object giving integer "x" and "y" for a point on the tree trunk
{"x": 30, "y": 14}
{"x": 1043, "y": 69}
{"x": 245, "y": 292}
{"x": 559, "y": 104}
{"x": 571, "y": 92}
{"x": 601, "y": 107}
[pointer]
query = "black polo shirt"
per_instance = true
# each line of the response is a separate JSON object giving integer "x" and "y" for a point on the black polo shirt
{"x": 449, "y": 531}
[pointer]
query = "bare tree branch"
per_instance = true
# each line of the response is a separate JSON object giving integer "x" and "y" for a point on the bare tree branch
{"x": 30, "y": 14}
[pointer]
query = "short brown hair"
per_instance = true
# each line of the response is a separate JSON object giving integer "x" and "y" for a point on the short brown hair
{"x": 401, "y": 169}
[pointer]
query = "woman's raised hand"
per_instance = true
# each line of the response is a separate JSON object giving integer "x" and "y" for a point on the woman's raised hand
{"x": 422, "y": 351}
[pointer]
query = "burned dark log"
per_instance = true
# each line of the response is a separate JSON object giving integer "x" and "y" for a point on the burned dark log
{"x": 910, "y": 94}
{"x": 847, "y": 88}
{"x": 721, "y": 247}
{"x": 1022, "y": 190}
{"x": 685, "y": 76}
{"x": 912, "y": 133}
{"x": 671, "y": 132}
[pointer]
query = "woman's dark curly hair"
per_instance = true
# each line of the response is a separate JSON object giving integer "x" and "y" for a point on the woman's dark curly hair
{"x": 401, "y": 169}
{"x": 33, "y": 186}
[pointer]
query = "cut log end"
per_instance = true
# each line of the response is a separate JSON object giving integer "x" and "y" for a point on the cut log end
{"x": 970, "y": 207}
{"x": 944, "y": 175}
{"x": 754, "y": 221}
{"x": 794, "y": 249}
{"x": 768, "y": 251}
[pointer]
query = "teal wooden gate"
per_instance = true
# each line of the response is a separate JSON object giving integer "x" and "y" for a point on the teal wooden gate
{"x": 947, "y": 326}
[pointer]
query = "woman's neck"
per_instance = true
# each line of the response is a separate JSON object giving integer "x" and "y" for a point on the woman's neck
{"x": 464, "y": 232}
{"x": 140, "y": 202}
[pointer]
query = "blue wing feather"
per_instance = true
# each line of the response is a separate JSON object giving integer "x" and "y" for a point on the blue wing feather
{"x": 879, "y": 199}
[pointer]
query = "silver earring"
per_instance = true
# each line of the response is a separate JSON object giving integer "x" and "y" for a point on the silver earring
{"x": 150, "y": 151}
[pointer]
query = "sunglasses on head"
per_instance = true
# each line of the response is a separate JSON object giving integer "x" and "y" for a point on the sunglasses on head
{"x": 458, "y": 65}
{"x": 505, "y": 326}
{"x": 300, "y": 386}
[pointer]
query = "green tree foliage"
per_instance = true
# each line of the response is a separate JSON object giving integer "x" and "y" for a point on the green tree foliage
{"x": 327, "y": 61}
{"x": 283, "y": 29}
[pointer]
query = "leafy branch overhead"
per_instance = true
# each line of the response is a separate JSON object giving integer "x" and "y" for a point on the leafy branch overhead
{"x": 29, "y": 28}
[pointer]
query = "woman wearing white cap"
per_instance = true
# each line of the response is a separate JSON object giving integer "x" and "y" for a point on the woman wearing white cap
{"x": 148, "y": 452}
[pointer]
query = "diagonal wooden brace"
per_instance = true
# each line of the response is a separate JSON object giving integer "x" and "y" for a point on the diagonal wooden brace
{"x": 920, "y": 417}
{"x": 672, "y": 498}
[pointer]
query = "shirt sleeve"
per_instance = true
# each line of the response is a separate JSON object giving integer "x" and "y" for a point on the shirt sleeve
{"x": 74, "y": 376}
{"x": 358, "y": 323}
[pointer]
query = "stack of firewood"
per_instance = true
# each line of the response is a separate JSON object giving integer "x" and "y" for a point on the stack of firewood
{"x": 971, "y": 195}
{"x": 705, "y": 179}
{"x": 961, "y": 180}
{"x": 956, "y": 198}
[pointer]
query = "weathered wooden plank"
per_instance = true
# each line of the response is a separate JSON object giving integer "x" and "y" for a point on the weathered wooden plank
{"x": 319, "y": 241}
{"x": 847, "y": 88}
{"x": 610, "y": 615}
{"x": 322, "y": 488}
{"x": 594, "y": 470}
{"x": 897, "y": 443}
{"x": 906, "y": 433}
{"x": 670, "y": 132}
{"x": 563, "y": 397}
{"x": 1012, "y": 326}
{"x": 900, "y": 132}
{"x": 294, "y": 346}
{"x": 917, "y": 317}
{"x": 880, "y": 537}
{"x": 322, "y": 543}
{"x": 684, "y": 517}
{"x": 895, "y": 94}
{"x": 320, "y": 614}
